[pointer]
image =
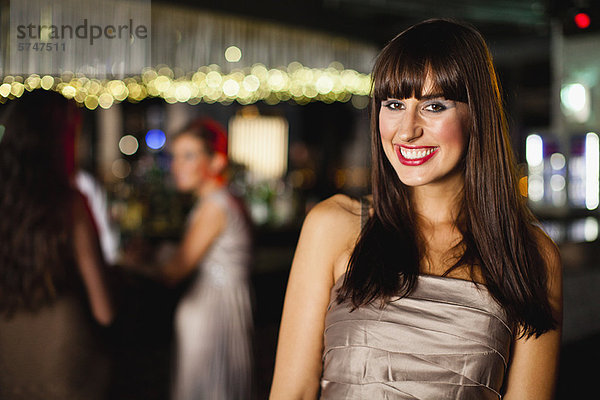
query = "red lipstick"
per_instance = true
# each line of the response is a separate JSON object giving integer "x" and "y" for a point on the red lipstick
{"x": 415, "y": 155}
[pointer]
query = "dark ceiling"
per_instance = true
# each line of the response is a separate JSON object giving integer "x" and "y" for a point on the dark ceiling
{"x": 377, "y": 21}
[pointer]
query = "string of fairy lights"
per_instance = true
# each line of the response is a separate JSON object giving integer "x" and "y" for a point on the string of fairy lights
{"x": 208, "y": 84}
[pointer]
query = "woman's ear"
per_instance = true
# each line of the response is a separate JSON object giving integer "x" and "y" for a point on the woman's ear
{"x": 218, "y": 163}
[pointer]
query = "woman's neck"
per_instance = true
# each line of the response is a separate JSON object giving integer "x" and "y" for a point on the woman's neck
{"x": 438, "y": 203}
{"x": 209, "y": 187}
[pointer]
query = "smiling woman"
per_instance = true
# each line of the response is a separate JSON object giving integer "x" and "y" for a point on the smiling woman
{"x": 424, "y": 139}
{"x": 441, "y": 285}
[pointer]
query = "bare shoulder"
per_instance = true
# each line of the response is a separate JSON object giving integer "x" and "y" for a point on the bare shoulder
{"x": 338, "y": 215}
{"x": 333, "y": 227}
{"x": 209, "y": 211}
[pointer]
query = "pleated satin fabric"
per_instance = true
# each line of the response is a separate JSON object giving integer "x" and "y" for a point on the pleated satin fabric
{"x": 448, "y": 339}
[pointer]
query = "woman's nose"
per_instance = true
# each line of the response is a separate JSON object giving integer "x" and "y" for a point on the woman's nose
{"x": 411, "y": 127}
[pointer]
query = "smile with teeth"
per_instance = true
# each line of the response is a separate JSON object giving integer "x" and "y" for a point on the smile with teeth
{"x": 414, "y": 154}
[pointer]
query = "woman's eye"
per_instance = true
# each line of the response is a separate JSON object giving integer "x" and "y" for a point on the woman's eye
{"x": 435, "y": 107}
{"x": 392, "y": 105}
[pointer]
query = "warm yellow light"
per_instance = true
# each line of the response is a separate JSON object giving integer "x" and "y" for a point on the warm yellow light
{"x": 261, "y": 144}
{"x": 233, "y": 54}
{"x": 198, "y": 77}
{"x": 276, "y": 79}
{"x": 208, "y": 84}
{"x": 231, "y": 88}
{"x": 310, "y": 92}
{"x": 165, "y": 71}
{"x": 118, "y": 89}
{"x": 182, "y": 92}
{"x": 105, "y": 100}
{"x": 162, "y": 83}
{"x": 260, "y": 71}
{"x": 33, "y": 82}
{"x": 213, "y": 79}
{"x": 324, "y": 84}
{"x": 523, "y": 186}
{"x": 17, "y": 89}
{"x": 94, "y": 87}
{"x": 135, "y": 91}
{"x": 251, "y": 83}
{"x": 79, "y": 96}
{"x": 91, "y": 102}
{"x": 69, "y": 91}
{"x": 47, "y": 82}
{"x": 293, "y": 67}
{"x": 5, "y": 89}
{"x": 149, "y": 75}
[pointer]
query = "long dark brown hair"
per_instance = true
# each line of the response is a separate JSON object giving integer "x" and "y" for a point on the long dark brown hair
{"x": 35, "y": 161}
{"x": 495, "y": 223}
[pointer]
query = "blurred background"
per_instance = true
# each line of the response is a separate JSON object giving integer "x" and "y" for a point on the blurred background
{"x": 290, "y": 82}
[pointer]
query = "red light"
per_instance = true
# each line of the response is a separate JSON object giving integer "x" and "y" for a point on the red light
{"x": 582, "y": 20}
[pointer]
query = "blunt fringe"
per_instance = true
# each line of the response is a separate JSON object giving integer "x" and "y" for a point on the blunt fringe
{"x": 496, "y": 225}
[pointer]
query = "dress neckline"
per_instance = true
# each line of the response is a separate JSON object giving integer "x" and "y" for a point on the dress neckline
{"x": 439, "y": 278}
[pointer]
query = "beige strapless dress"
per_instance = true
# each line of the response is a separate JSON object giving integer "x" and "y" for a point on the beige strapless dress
{"x": 449, "y": 339}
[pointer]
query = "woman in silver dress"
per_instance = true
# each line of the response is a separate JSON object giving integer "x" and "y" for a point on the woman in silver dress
{"x": 440, "y": 286}
{"x": 213, "y": 320}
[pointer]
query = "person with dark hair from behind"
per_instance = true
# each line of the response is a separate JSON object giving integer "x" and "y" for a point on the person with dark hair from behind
{"x": 53, "y": 292}
{"x": 441, "y": 285}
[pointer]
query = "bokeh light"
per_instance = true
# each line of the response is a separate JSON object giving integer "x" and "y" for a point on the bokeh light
{"x": 592, "y": 173}
{"x": 120, "y": 168}
{"x": 582, "y": 20}
{"x": 233, "y": 54}
{"x": 208, "y": 84}
{"x": 557, "y": 161}
{"x": 128, "y": 145}
{"x": 155, "y": 139}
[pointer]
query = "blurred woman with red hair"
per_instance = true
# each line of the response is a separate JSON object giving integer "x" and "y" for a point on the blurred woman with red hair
{"x": 213, "y": 320}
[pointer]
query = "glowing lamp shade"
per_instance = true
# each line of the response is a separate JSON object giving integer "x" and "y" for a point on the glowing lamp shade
{"x": 261, "y": 144}
{"x": 155, "y": 139}
{"x": 592, "y": 171}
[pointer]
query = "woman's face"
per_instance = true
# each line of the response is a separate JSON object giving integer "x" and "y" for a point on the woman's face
{"x": 191, "y": 164}
{"x": 425, "y": 139}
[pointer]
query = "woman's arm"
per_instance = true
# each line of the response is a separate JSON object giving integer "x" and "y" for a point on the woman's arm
{"x": 533, "y": 367}
{"x": 326, "y": 234}
{"x": 90, "y": 262}
{"x": 206, "y": 224}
